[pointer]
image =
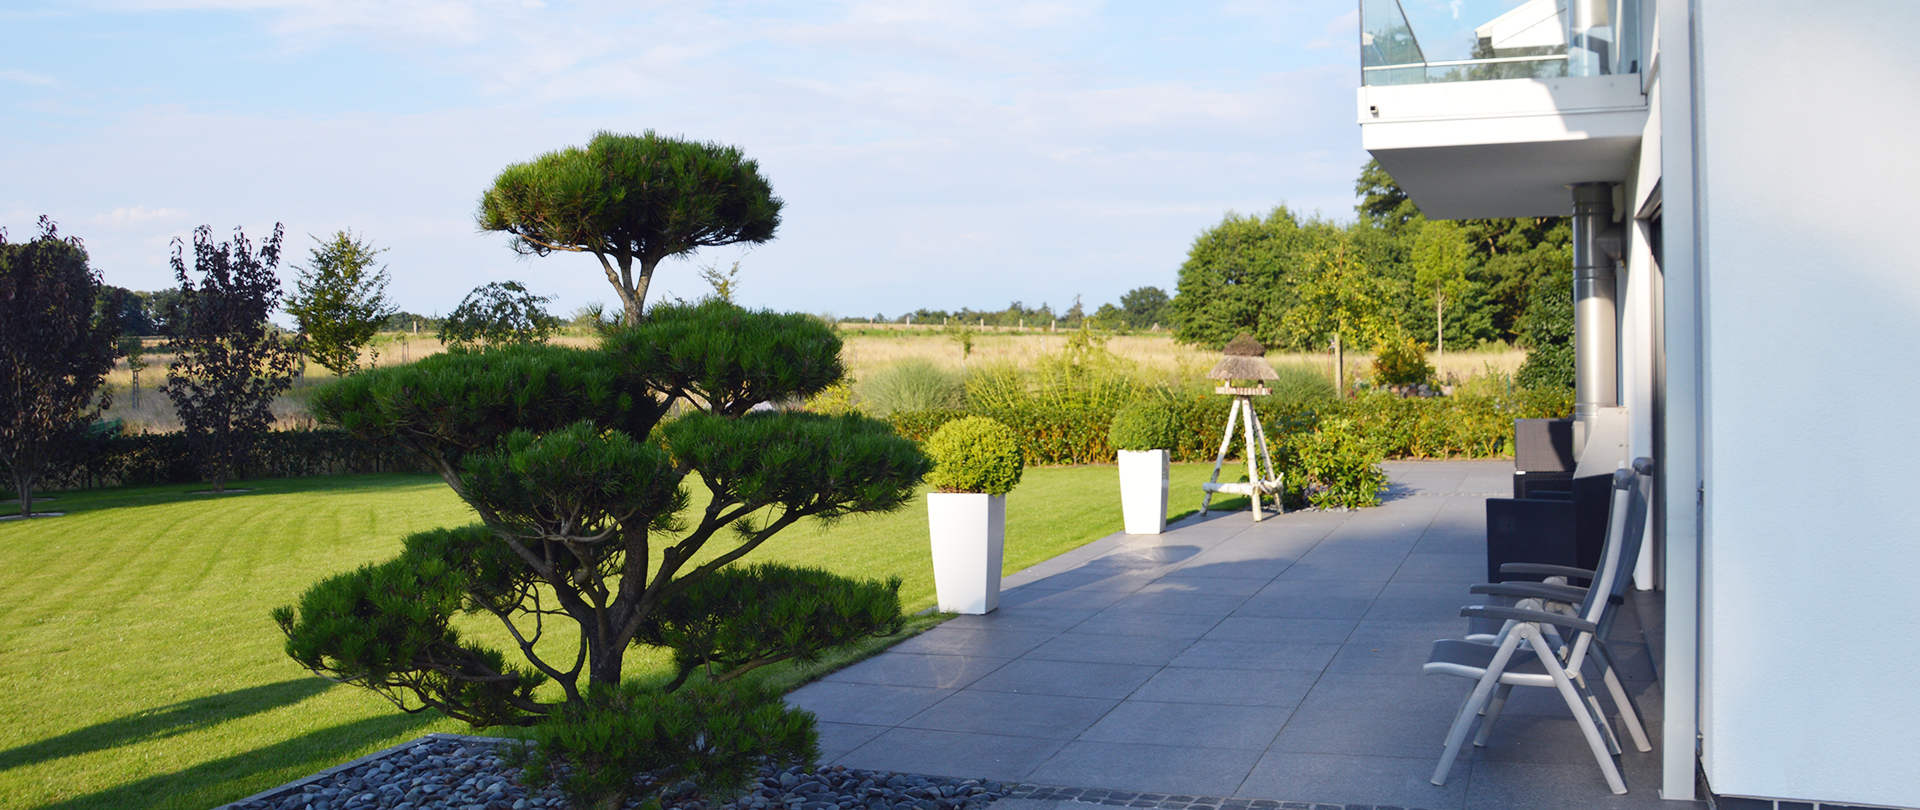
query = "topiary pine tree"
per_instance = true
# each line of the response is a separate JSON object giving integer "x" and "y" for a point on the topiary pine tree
{"x": 581, "y": 487}
{"x": 229, "y": 361}
{"x": 630, "y": 199}
{"x": 53, "y": 353}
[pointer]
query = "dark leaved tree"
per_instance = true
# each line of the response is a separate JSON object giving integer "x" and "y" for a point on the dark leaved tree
{"x": 495, "y": 314}
{"x": 340, "y": 301}
{"x": 631, "y": 200}
{"x": 54, "y": 353}
{"x": 229, "y": 361}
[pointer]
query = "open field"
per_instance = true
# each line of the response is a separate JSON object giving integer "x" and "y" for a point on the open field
{"x": 868, "y": 347}
{"x": 139, "y": 669}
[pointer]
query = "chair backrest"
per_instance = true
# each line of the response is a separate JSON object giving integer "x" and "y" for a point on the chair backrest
{"x": 1635, "y": 537}
{"x": 1608, "y": 571}
{"x": 1626, "y": 525}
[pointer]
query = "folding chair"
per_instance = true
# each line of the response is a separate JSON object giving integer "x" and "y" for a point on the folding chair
{"x": 1557, "y": 657}
{"x": 1560, "y": 597}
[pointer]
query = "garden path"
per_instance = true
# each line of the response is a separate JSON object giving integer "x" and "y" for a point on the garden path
{"x": 1276, "y": 661}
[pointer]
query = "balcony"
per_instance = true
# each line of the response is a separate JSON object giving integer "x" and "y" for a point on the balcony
{"x": 1543, "y": 96}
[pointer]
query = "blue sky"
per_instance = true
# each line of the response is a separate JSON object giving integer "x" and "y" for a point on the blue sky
{"x": 932, "y": 153}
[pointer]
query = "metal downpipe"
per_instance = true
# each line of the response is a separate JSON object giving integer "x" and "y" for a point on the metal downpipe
{"x": 1596, "y": 247}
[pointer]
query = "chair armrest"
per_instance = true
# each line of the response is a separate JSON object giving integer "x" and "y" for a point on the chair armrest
{"x": 1540, "y": 590}
{"x": 1545, "y": 570}
{"x": 1535, "y": 616}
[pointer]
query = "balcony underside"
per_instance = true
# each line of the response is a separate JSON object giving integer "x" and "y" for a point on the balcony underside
{"x": 1503, "y": 148}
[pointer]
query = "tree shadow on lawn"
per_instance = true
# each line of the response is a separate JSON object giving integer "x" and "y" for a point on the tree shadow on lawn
{"x": 86, "y": 500}
{"x": 166, "y": 721}
{"x": 218, "y": 782}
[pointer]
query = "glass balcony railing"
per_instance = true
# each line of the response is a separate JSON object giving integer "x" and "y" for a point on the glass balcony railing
{"x": 1539, "y": 39}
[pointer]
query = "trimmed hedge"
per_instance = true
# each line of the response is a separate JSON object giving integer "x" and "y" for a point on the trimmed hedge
{"x": 1466, "y": 426}
{"x": 164, "y": 458}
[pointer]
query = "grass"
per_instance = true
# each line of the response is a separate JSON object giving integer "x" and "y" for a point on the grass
{"x": 138, "y": 668}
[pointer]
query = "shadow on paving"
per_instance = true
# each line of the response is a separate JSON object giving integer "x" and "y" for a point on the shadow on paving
{"x": 166, "y": 721}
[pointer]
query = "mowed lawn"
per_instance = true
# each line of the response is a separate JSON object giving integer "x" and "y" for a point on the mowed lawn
{"x": 139, "y": 668}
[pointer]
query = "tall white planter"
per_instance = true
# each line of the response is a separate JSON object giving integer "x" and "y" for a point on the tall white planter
{"x": 1143, "y": 490}
{"x": 969, "y": 532}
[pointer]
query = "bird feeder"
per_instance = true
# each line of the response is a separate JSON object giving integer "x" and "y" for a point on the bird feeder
{"x": 1244, "y": 360}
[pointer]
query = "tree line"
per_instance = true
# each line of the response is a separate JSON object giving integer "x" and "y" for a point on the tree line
{"x": 1389, "y": 276}
{"x": 1139, "y": 308}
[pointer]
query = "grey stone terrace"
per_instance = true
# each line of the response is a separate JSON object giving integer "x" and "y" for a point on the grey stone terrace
{"x": 1273, "y": 661}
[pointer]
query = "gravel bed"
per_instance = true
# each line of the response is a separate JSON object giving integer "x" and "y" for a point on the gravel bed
{"x": 467, "y": 774}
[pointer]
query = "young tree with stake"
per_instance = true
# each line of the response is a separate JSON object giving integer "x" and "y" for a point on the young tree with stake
{"x": 340, "y": 301}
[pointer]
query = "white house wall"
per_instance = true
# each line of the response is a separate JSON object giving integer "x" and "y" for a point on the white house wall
{"x": 1810, "y": 264}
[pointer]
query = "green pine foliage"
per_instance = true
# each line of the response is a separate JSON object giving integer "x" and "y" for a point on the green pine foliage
{"x": 631, "y": 199}
{"x": 634, "y": 739}
{"x": 745, "y": 617}
{"x": 975, "y": 454}
{"x": 579, "y": 482}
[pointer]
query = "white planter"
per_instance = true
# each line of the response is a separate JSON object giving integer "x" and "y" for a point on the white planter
{"x": 1143, "y": 490}
{"x": 969, "y": 532}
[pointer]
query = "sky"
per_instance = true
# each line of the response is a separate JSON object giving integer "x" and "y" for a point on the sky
{"x": 930, "y": 153}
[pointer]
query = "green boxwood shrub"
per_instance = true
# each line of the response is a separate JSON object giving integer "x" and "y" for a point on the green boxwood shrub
{"x": 1148, "y": 423}
{"x": 975, "y": 454}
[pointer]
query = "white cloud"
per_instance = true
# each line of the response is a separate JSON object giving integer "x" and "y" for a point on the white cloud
{"x": 27, "y": 77}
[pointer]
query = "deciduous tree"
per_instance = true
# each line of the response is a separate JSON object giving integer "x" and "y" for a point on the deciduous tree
{"x": 229, "y": 361}
{"x": 632, "y": 200}
{"x": 498, "y": 313}
{"x": 1339, "y": 298}
{"x": 340, "y": 302}
{"x": 1440, "y": 255}
{"x": 54, "y": 353}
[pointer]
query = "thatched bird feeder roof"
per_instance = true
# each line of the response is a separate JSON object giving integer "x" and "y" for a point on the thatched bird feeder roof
{"x": 1243, "y": 359}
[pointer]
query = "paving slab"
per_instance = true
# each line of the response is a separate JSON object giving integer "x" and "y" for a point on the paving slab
{"x": 1229, "y": 664}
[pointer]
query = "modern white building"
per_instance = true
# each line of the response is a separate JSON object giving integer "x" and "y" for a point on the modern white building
{"x": 1748, "y": 314}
